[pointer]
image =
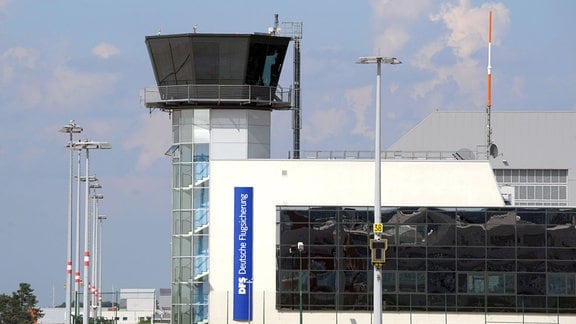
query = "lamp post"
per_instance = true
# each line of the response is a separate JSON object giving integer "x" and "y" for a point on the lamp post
{"x": 377, "y": 290}
{"x": 77, "y": 238}
{"x": 300, "y": 250}
{"x": 93, "y": 183}
{"x": 87, "y": 145}
{"x": 100, "y": 218}
{"x": 71, "y": 128}
{"x": 96, "y": 197}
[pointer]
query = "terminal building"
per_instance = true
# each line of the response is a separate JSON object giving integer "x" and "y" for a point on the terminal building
{"x": 534, "y": 156}
{"x": 126, "y": 306}
{"x": 267, "y": 241}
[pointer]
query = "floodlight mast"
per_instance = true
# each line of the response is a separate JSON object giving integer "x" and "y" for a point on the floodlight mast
{"x": 77, "y": 279}
{"x": 99, "y": 268}
{"x": 71, "y": 128}
{"x": 87, "y": 145}
{"x": 96, "y": 197}
{"x": 377, "y": 290}
{"x": 94, "y": 184}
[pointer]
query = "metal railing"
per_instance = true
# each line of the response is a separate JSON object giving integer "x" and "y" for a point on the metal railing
{"x": 386, "y": 155}
{"x": 216, "y": 94}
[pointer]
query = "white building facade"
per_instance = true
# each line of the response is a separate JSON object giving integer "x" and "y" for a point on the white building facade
{"x": 456, "y": 253}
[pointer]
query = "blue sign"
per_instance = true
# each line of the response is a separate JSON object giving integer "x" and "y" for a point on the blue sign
{"x": 243, "y": 215}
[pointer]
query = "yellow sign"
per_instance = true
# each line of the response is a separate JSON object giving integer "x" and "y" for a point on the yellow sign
{"x": 378, "y": 228}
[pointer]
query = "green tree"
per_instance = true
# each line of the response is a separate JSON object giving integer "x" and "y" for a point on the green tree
{"x": 21, "y": 307}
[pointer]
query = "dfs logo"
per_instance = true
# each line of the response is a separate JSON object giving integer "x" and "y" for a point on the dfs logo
{"x": 242, "y": 281}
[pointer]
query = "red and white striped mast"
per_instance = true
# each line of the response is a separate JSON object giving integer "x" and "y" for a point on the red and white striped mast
{"x": 489, "y": 88}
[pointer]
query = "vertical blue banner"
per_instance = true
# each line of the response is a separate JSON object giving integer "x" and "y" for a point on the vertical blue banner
{"x": 243, "y": 214}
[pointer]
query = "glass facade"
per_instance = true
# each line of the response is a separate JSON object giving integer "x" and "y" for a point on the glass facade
{"x": 536, "y": 187}
{"x": 438, "y": 259}
{"x": 190, "y": 215}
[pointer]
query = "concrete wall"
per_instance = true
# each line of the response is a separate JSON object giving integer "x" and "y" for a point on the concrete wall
{"x": 239, "y": 134}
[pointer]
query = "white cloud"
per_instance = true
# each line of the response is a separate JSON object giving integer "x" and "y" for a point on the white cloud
{"x": 383, "y": 9}
{"x": 469, "y": 76}
{"x": 467, "y": 34}
{"x": 67, "y": 85}
{"x": 14, "y": 58}
{"x": 153, "y": 138}
{"x": 4, "y": 4}
{"x": 323, "y": 124}
{"x": 517, "y": 87}
{"x": 391, "y": 40}
{"x": 105, "y": 50}
{"x": 24, "y": 56}
{"x": 423, "y": 58}
{"x": 360, "y": 100}
{"x": 466, "y": 28}
{"x": 29, "y": 80}
{"x": 391, "y": 19}
{"x": 421, "y": 89}
{"x": 357, "y": 116}
{"x": 449, "y": 56}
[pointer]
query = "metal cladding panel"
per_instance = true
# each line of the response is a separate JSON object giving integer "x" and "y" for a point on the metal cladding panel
{"x": 217, "y": 59}
{"x": 526, "y": 140}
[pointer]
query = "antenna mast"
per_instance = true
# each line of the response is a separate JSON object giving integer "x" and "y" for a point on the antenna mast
{"x": 297, "y": 116}
{"x": 294, "y": 31}
{"x": 489, "y": 91}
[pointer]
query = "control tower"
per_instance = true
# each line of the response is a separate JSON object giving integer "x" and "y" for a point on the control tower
{"x": 220, "y": 90}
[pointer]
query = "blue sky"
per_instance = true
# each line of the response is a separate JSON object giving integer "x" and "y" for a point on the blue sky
{"x": 87, "y": 61}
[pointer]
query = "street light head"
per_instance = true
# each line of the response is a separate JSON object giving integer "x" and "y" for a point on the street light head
{"x": 91, "y": 178}
{"x": 377, "y": 59}
{"x": 95, "y": 185}
{"x": 97, "y": 145}
{"x": 71, "y": 128}
{"x": 88, "y": 145}
{"x": 300, "y": 246}
{"x": 104, "y": 146}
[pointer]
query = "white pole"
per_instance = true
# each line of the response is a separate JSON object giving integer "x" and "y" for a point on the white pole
{"x": 69, "y": 235}
{"x": 94, "y": 251}
{"x": 85, "y": 308}
{"x": 70, "y": 128}
{"x": 100, "y": 266}
{"x": 377, "y": 299}
{"x": 77, "y": 239}
{"x": 377, "y": 289}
